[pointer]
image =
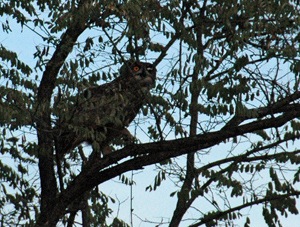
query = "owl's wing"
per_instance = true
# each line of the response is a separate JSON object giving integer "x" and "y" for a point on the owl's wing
{"x": 98, "y": 91}
{"x": 99, "y": 105}
{"x": 80, "y": 121}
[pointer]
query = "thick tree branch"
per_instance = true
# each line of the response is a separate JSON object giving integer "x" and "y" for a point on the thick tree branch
{"x": 280, "y": 106}
{"x": 151, "y": 153}
{"x": 43, "y": 113}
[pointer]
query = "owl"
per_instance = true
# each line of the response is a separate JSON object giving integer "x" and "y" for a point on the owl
{"x": 103, "y": 113}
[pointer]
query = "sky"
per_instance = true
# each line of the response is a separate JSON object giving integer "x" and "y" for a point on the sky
{"x": 156, "y": 206}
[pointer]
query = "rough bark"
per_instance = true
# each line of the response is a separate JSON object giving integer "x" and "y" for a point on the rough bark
{"x": 43, "y": 120}
{"x": 150, "y": 153}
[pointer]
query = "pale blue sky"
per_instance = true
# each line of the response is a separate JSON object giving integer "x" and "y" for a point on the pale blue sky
{"x": 154, "y": 206}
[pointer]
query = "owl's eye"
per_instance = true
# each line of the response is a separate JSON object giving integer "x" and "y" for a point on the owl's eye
{"x": 136, "y": 68}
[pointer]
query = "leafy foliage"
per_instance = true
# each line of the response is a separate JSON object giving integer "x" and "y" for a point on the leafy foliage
{"x": 223, "y": 120}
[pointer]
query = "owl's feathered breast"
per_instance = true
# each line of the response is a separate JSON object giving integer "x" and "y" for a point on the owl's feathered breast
{"x": 104, "y": 111}
{"x": 114, "y": 104}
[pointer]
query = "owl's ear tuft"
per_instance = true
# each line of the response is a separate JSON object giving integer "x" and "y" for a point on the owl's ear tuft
{"x": 126, "y": 67}
{"x": 123, "y": 70}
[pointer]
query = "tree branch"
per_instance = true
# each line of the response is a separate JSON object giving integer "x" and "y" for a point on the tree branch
{"x": 220, "y": 214}
{"x": 151, "y": 153}
{"x": 183, "y": 194}
{"x": 43, "y": 114}
{"x": 278, "y": 107}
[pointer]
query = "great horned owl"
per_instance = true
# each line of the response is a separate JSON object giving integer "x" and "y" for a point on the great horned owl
{"x": 105, "y": 111}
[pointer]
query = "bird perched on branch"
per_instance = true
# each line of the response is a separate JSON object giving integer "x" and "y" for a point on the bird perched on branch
{"x": 104, "y": 111}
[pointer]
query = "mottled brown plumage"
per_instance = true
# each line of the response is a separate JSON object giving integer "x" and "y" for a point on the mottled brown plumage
{"x": 106, "y": 110}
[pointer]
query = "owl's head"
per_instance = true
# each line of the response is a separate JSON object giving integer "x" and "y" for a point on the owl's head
{"x": 142, "y": 73}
